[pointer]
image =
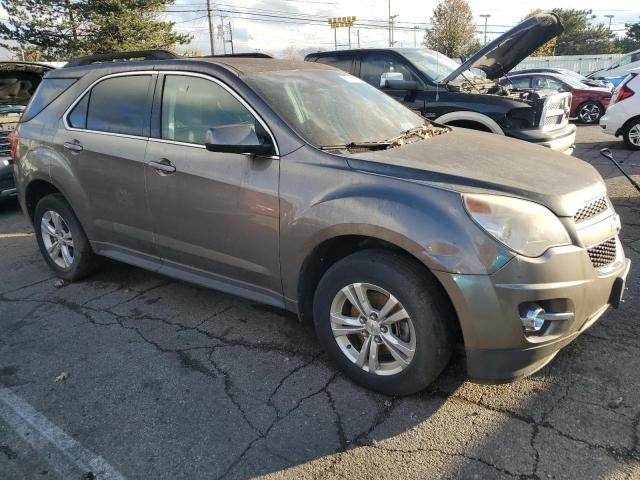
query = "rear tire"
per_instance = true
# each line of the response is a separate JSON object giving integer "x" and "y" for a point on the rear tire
{"x": 631, "y": 134}
{"x": 589, "y": 113}
{"x": 62, "y": 241}
{"x": 427, "y": 322}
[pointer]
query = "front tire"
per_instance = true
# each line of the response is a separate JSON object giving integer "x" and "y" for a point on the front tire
{"x": 589, "y": 113}
{"x": 631, "y": 134}
{"x": 384, "y": 321}
{"x": 62, "y": 241}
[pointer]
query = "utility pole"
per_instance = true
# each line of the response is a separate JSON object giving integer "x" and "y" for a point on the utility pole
{"x": 224, "y": 39}
{"x": 358, "y": 32}
{"x": 231, "y": 37}
{"x": 392, "y": 19}
{"x": 349, "y": 30}
{"x": 609, "y": 17}
{"x": 389, "y": 22}
{"x": 415, "y": 31}
{"x": 486, "y": 17}
{"x": 212, "y": 28}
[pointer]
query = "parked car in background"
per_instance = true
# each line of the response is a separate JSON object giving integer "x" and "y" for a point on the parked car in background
{"x": 588, "y": 104}
{"x": 623, "y": 115}
{"x": 455, "y": 94}
{"x": 590, "y": 82}
{"x": 298, "y": 185}
{"x": 619, "y": 68}
{"x": 18, "y": 82}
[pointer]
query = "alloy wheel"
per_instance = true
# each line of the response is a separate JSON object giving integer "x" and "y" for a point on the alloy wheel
{"x": 373, "y": 329}
{"x": 634, "y": 135}
{"x": 57, "y": 239}
{"x": 589, "y": 113}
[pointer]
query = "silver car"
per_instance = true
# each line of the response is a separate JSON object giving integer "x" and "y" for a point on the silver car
{"x": 300, "y": 186}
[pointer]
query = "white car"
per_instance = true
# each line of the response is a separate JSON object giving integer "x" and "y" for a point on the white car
{"x": 623, "y": 114}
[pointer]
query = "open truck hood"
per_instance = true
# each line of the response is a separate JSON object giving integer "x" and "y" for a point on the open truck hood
{"x": 500, "y": 56}
{"x": 19, "y": 80}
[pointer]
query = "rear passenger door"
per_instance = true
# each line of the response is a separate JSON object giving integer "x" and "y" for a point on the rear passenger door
{"x": 215, "y": 215}
{"x": 105, "y": 140}
{"x": 376, "y": 68}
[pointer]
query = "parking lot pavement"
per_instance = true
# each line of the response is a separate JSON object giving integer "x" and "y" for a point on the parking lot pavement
{"x": 159, "y": 379}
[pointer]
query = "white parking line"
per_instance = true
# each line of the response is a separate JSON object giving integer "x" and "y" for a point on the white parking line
{"x": 61, "y": 451}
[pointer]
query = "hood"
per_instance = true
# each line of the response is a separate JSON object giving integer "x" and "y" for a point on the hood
{"x": 505, "y": 52}
{"x": 19, "y": 80}
{"x": 470, "y": 161}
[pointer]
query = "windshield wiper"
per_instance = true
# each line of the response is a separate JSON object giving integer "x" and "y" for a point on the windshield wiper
{"x": 352, "y": 145}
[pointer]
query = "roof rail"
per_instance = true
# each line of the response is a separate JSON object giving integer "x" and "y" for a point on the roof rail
{"x": 238, "y": 55}
{"x": 122, "y": 56}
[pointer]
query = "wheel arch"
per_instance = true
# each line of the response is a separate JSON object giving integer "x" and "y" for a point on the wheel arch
{"x": 452, "y": 118}
{"x": 332, "y": 250}
{"x": 627, "y": 123}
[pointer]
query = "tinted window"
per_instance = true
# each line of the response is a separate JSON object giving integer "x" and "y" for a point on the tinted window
{"x": 192, "y": 105}
{"x": 519, "y": 82}
{"x": 120, "y": 105}
{"x": 342, "y": 62}
{"x": 48, "y": 90}
{"x": 78, "y": 116}
{"x": 375, "y": 65}
{"x": 547, "y": 83}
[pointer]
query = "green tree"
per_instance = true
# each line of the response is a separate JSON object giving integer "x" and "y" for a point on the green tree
{"x": 631, "y": 40}
{"x": 60, "y": 29}
{"x": 453, "y": 31}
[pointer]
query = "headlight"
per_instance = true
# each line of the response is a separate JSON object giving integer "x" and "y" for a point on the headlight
{"x": 525, "y": 227}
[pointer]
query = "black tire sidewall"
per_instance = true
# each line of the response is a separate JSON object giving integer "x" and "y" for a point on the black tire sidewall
{"x": 82, "y": 253}
{"x": 417, "y": 292}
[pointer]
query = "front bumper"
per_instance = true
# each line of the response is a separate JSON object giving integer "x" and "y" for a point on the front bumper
{"x": 560, "y": 140}
{"x": 489, "y": 308}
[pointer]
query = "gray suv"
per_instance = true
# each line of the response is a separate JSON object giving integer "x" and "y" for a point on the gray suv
{"x": 300, "y": 186}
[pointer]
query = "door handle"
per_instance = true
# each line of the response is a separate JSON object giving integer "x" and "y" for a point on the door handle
{"x": 163, "y": 166}
{"x": 74, "y": 146}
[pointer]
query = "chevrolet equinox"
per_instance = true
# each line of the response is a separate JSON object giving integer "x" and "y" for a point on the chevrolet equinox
{"x": 300, "y": 186}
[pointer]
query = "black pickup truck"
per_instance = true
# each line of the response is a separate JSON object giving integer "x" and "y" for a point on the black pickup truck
{"x": 466, "y": 94}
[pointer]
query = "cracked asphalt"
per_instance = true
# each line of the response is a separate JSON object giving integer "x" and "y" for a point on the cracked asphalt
{"x": 168, "y": 380}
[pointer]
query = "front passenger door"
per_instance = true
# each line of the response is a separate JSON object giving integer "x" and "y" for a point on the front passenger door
{"x": 215, "y": 215}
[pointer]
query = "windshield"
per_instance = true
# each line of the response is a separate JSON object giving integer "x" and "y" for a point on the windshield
{"x": 329, "y": 107}
{"x": 433, "y": 64}
{"x": 573, "y": 82}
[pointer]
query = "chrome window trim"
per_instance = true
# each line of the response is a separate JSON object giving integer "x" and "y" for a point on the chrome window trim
{"x": 162, "y": 140}
{"x": 68, "y": 111}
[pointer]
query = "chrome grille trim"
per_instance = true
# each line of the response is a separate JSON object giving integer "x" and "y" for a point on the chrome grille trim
{"x": 604, "y": 253}
{"x": 591, "y": 209}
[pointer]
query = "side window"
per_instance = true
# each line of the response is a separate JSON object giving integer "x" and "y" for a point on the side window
{"x": 542, "y": 83}
{"x": 343, "y": 62}
{"x": 115, "y": 105}
{"x": 78, "y": 116}
{"x": 192, "y": 105}
{"x": 519, "y": 82}
{"x": 377, "y": 68}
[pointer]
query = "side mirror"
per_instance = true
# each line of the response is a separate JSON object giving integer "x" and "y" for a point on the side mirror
{"x": 386, "y": 76}
{"x": 237, "y": 138}
{"x": 401, "y": 85}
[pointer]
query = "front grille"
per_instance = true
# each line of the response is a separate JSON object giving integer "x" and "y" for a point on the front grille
{"x": 553, "y": 120}
{"x": 591, "y": 209}
{"x": 5, "y": 147}
{"x": 603, "y": 254}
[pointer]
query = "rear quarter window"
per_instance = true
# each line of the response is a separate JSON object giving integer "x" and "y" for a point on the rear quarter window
{"x": 48, "y": 90}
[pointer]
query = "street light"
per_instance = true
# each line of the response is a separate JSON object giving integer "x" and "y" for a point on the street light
{"x": 609, "y": 17}
{"x": 486, "y": 17}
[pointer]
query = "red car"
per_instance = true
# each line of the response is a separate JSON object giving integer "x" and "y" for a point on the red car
{"x": 588, "y": 103}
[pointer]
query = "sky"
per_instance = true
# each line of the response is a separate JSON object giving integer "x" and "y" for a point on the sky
{"x": 272, "y": 34}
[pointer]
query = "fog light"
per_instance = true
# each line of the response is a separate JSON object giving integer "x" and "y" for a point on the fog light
{"x": 534, "y": 320}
